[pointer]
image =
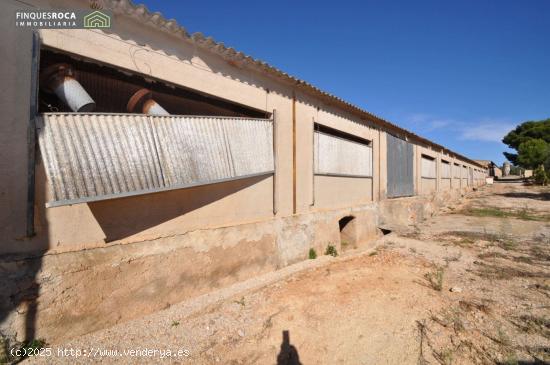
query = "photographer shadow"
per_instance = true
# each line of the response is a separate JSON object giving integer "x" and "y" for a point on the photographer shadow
{"x": 288, "y": 355}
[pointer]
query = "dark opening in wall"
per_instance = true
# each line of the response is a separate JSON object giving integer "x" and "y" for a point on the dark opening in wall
{"x": 348, "y": 232}
{"x": 111, "y": 89}
{"x": 342, "y": 223}
{"x": 385, "y": 231}
{"x": 338, "y": 133}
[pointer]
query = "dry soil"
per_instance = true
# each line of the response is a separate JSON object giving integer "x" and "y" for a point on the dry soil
{"x": 470, "y": 285}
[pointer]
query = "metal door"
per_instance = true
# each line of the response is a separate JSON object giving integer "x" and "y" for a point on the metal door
{"x": 400, "y": 155}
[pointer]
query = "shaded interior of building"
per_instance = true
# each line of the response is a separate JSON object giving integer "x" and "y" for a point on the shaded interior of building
{"x": 111, "y": 89}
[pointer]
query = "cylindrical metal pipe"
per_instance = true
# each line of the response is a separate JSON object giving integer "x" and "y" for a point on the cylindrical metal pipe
{"x": 153, "y": 108}
{"x": 74, "y": 95}
{"x": 142, "y": 101}
{"x": 60, "y": 79}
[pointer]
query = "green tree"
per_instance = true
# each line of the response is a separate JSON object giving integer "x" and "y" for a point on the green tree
{"x": 533, "y": 153}
{"x": 523, "y": 133}
{"x": 540, "y": 176}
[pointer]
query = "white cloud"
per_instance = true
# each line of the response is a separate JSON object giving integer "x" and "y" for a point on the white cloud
{"x": 426, "y": 122}
{"x": 486, "y": 131}
{"x": 419, "y": 118}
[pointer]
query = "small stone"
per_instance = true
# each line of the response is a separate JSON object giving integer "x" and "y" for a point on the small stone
{"x": 241, "y": 333}
{"x": 456, "y": 289}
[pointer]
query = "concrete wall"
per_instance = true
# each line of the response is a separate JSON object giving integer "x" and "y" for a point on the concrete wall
{"x": 428, "y": 186}
{"x": 339, "y": 192}
{"x": 446, "y": 184}
{"x": 15, "y": 74}
{"x": 93, "y": 265}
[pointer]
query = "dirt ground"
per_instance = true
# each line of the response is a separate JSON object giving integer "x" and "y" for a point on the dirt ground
{"x": 470, "y": 285}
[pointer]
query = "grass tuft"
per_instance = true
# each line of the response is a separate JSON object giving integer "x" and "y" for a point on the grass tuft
{"x": 331, "y": 250}
{"x": 523, "y": 214}
{"x": 435, "y": 278}
{"x": 312, "y": 254}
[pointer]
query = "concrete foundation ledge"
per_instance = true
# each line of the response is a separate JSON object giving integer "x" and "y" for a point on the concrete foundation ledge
{"x": 59, "y": 296}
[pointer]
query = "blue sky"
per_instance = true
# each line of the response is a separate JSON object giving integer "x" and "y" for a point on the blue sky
{"x": 461, "y": 73}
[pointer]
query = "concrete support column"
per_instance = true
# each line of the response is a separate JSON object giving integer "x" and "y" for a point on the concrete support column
{"x": 417, "y": 170}
{"x": 376, "y": 167}
{"x": 438, "y": 172}
{"x": 383, "y": 165}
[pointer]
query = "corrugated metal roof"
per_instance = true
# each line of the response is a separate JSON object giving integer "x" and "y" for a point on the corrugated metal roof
{"x": 142, "y": 14}
{"x": 91, "y": 157}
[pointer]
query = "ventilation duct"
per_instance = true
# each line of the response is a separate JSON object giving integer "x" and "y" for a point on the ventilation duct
{"x": 142, "y": 102}
{"x": 60, "y": 80}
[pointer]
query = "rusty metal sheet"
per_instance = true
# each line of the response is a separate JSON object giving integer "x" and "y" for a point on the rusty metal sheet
{"x": 91, "y": 157}
{"x": 341, "y": 157}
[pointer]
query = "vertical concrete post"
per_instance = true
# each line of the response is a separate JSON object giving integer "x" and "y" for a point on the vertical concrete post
{"x": 438, "y": 171}
{"x": 15, "y": 101}
{"x": 376, "y": 167}
{"x": 383, "y": 164}
{"x": 418, "y": 169}
{"x": 275, "y": 169}
{"x": 312, "y": 162}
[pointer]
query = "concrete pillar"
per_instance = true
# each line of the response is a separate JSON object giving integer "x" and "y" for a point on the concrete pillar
{"x": 383, "y": 160}
{"x": 438, "y": 172}
{"x": 15, "y": 73}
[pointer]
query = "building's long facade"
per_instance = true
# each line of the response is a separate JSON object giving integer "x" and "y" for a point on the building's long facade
{"x": 110, "y": 214}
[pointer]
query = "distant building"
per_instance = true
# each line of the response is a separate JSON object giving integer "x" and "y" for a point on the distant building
{"x": 491, "y": 168}
{"x": 506, "y": 168}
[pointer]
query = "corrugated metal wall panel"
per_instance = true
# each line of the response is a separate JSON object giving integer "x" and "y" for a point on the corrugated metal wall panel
{"x": 194, "y": 149}
{"x": 100, "y": 156}
{"x": 339, "y": 156}
{"x": 428, "y": 168}
{"x": 257, "y": 133}
{"x": 89, "y": 155}
{"x": 400, "y": 158}
{"x": 456, "y": 171}
{"x": 445, "y": 170}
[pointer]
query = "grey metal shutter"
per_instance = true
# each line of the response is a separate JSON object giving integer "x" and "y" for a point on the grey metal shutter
{"x": 400, "y": 155}
{"x": 91, "y": 157}
{"x": 445, "y": 170}
{"x": 456, "y": 171}
{"x": 341, "y": 157}
{"x": 428, "y": 167}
